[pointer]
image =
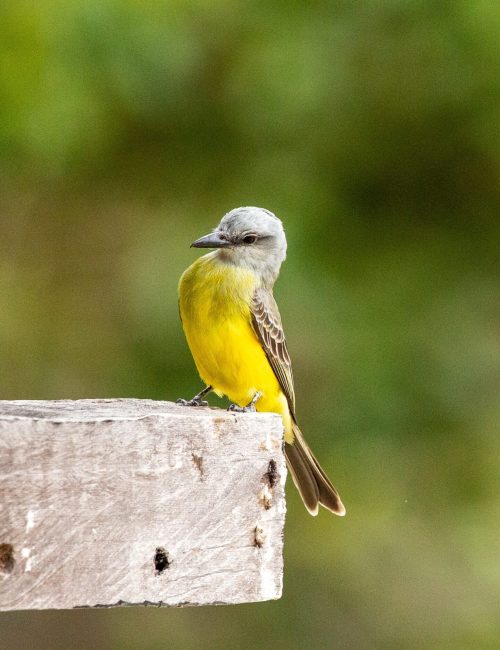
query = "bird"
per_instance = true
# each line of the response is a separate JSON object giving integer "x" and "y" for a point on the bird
{"x": 234, "y": 331}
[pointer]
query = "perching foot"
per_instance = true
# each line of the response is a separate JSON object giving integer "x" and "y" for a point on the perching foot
{"x": 249, "y": 408}
{"x": 197, "y": 399}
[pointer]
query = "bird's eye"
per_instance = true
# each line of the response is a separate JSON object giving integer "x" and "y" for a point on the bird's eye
{"x": 249, "y": 239}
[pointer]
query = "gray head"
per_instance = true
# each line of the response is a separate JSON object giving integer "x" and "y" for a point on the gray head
{"x": 252, "y": 238}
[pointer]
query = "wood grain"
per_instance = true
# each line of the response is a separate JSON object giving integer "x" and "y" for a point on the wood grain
{"x": 123, "y": 501}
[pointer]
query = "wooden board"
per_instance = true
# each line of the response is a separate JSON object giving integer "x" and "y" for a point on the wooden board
{"x": 124, "y": 501}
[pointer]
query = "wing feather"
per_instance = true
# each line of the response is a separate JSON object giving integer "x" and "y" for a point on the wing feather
{"x": 266, "y": 321}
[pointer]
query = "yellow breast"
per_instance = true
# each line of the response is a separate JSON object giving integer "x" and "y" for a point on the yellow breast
{"x": 214, "y": 302}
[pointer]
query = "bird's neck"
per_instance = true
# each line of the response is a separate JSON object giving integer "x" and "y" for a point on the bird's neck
{"x": 265, "y": 272}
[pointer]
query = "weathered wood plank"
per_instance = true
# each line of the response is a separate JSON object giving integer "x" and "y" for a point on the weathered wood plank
{"x": 114, "y": 502}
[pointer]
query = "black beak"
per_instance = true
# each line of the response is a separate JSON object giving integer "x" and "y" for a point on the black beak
{"x": 213, "y": 240}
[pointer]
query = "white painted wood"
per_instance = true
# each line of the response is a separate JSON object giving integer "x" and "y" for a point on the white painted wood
{"x": 124, "y": 501}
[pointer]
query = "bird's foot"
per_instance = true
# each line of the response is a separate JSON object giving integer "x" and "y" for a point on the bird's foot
{"x": 242, "y": 409}
{"x": 249, "y": 408}
{"x": 196, "y": 401}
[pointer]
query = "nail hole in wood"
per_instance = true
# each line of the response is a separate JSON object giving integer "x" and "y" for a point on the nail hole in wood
{"x": 161, "y": 560}
{"x": 271, "y": 476}
{"x": 6, "y": 558}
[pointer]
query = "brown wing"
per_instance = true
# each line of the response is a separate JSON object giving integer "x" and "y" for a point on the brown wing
{"x": 266, "y": 321}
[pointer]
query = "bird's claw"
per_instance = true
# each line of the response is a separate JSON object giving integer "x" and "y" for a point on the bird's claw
{"x": 242, "y": 409}
{"x": 196, "y": 401}
{"x": 249, "y": 408}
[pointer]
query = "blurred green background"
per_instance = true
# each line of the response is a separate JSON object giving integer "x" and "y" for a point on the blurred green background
{"x": 127, "y": 129}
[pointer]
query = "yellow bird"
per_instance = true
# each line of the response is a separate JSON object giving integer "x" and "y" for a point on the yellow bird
{"x": 233, "y": 328}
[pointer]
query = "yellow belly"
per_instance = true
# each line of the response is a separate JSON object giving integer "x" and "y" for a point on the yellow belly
{"x": 214, "y": 300}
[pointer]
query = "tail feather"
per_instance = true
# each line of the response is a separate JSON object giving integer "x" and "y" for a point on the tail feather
{"x": 313, "y": 484}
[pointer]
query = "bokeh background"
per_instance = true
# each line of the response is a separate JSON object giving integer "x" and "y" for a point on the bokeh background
{"x": 127, "y": 129}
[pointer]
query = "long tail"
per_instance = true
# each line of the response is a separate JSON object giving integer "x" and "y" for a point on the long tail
{"x": 313, "y": 484}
